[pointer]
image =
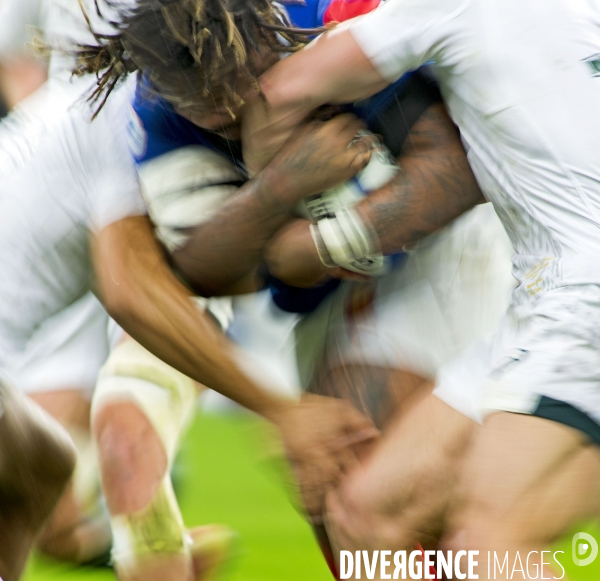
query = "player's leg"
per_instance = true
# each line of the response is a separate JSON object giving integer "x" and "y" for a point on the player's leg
{"x": 141, "y": 407}
{"x": 543, "y": 397}
{"x": 527, "y": 480}
{"x": 36, "y": 462}
{"x": 58, "y": 370}
{"x": 401, "y": 494}
{"x": 381, "y": 393}
{"x": 78, "y": 530}
{"x": 404, "y": 492}
{"x": 419, "y": 321}
{"x": 134, "y": 468}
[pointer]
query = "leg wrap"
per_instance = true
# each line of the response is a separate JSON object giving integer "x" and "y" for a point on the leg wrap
{"x": 168, "y": 399}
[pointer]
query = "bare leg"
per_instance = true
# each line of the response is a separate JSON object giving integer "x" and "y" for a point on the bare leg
{"x": 141, "y": 407}
{"x": 527, "y": 480}
{"x": 36, "y": 462}
{"x": 402, "y": 494}
{"x": 133, "y": 464}
{"x": 380, "y": 393}
{"x": 74, "y": 533}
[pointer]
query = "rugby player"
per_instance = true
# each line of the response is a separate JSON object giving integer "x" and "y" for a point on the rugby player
{"x": 59, "y": 365}
{"x": 178, "y": 133}
{"x": 78, "y": 184}
{"x": 521, "y": 82}
{"x": 36, "y": 461}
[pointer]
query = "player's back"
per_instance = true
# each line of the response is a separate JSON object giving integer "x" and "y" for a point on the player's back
{"x": 532, "y": 120}
{"x": 520, "y": 78}
{"x": 77, "y": 179}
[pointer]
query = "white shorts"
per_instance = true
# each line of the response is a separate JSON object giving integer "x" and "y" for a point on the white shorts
{"x": 544, "y": 360}
{"x": 452, "y": 289}
{"x": 66, "y": 351}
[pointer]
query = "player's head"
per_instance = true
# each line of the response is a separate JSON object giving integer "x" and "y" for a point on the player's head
{"x": 200, "y": 55}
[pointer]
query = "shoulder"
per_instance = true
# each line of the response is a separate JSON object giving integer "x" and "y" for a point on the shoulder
{"x": 153, "y": 127}
{"x": 393, "y": 112}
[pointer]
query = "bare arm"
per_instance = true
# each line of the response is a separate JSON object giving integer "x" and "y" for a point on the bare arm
{"x": 333, "y": 69}
{"x": 140, "y": 292}
{"x": 435, "y": 186}
{"x": 228, "y": 248}
{"x": 144, "y": 297}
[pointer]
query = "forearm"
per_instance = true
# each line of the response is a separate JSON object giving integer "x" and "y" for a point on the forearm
{"x": 332, "y": 69}
{"x": 292, "y": 257}
{"x": 230, "y": 245}
{"x": 144, "y": 297}
{"x": 228, "y": 248}
{"x": 435, "y": 186}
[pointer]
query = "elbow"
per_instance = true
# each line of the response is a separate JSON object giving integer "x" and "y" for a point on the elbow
{"x": 203, "y": 277}
{"x": 201, "y": 284}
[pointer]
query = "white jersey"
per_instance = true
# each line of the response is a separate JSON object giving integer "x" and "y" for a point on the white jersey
{"x": 79, "y": 179}
{"x": 521, "y": 79}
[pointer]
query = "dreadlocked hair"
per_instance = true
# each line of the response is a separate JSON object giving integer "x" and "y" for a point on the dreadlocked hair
{"x": 187, "y": 48}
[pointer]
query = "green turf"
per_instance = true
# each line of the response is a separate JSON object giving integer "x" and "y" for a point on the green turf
{"x": 223, "y": 480}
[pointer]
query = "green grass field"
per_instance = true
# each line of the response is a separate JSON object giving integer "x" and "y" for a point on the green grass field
{"x": 223, "y": 480}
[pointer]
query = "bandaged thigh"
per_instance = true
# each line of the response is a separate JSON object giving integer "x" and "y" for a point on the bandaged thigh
{"x": 167, "y": 399}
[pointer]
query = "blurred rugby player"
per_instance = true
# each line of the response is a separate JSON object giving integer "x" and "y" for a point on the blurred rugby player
{"x": 533, "y": 142}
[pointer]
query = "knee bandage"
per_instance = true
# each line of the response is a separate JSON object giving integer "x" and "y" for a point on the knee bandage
{"x": 167, "y": 398}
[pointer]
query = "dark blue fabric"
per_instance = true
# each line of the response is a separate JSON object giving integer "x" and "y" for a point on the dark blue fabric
{"x": 368, "y": 108}
{"x": 299, "y": 300}
{"x": 307, "y": 15}
{"x": 165, "y": 130}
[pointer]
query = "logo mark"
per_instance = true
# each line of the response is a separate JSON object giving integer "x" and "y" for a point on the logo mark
{"x": 593, "y": 62}
{"x": 582, "y": 544}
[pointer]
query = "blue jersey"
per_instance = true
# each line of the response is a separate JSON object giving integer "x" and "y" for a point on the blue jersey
{"x": 156, "y": 129}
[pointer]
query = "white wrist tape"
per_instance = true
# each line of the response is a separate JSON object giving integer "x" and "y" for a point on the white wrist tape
{"x": 347, "y": 241}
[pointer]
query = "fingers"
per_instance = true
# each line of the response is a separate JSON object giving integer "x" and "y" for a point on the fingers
{"x": 349, "y": 440}
{"x": 360, "y": 152}
{"x": 346, "y": 125}
{"x": 349, "y": 129}
{"x": 324, "y": 443}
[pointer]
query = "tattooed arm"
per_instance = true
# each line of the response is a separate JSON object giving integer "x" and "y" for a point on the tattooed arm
{"x": 435, "y": 186}
{"x": 222, "y": 254}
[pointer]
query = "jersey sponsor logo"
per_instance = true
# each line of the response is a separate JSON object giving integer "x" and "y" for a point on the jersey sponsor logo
{"x": 593, "y": 62}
